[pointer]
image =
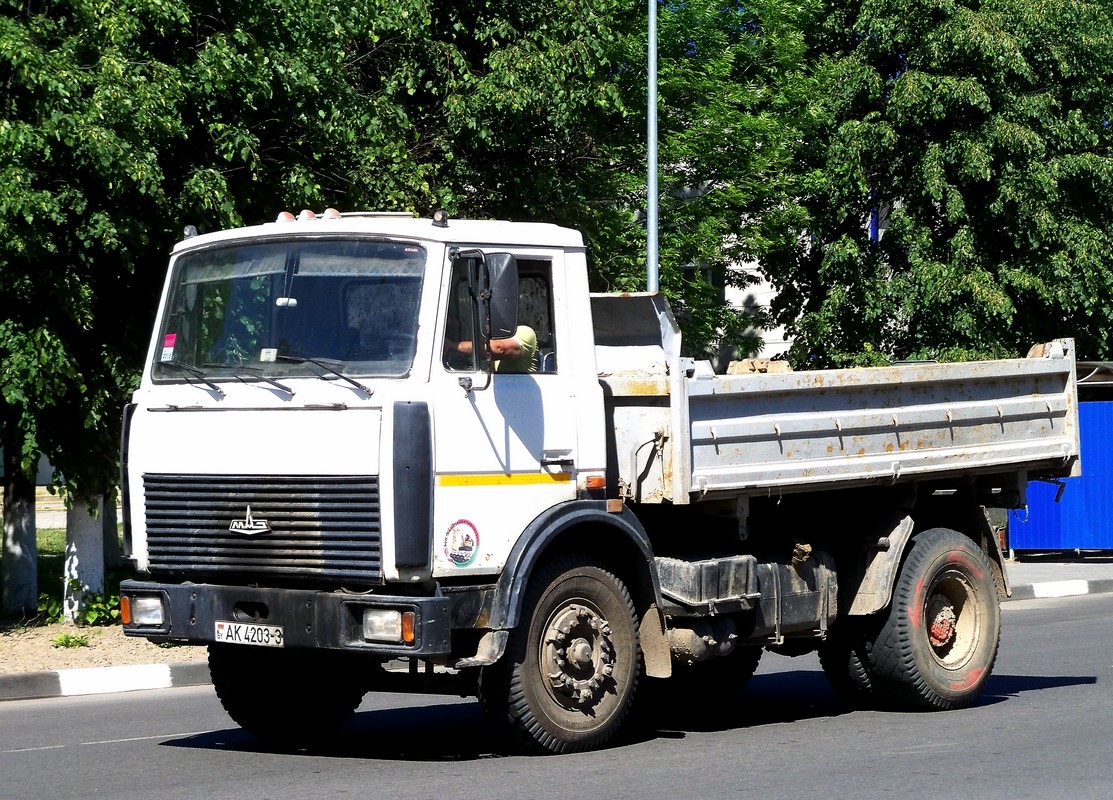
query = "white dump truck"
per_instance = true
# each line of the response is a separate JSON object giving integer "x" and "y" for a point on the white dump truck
{"x": 375, "y": 452}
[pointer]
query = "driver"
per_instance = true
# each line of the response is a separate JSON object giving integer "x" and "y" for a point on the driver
{"x": 515, "y": 354}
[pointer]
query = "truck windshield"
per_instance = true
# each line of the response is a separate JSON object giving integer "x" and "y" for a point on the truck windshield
{"x": 273, "y": 308}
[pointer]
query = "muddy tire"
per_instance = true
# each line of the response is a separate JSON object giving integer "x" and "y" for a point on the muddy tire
{"x": 568, "y": 679}
{"x": 287, "y": 697}
{"x": 938, "y": 643}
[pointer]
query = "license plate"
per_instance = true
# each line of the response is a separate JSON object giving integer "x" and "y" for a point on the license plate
{"x": 250, "y": 633}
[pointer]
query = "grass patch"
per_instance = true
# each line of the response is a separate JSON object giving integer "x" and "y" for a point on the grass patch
{"x": 51, "y": 543}
{"x": 70, "y": 640}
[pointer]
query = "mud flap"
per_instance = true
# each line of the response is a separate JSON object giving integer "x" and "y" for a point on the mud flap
{"x": 654, "y": 644}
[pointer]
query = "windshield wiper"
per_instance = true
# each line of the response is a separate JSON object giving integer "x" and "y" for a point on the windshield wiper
{"x": 329, "y": 369}
{"x": 257, "y": 376}
{"x": 193, "y": 376}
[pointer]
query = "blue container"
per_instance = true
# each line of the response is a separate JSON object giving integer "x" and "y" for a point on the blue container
{"x": 1080, "y": 520}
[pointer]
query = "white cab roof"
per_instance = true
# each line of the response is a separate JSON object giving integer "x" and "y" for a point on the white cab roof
{"x": 458, "y": 231}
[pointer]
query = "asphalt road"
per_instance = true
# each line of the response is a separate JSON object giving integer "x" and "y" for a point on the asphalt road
{"x": 1042, "y": 730}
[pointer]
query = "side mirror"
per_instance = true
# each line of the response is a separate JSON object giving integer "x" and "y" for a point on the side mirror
{"x": 502, "y": 282}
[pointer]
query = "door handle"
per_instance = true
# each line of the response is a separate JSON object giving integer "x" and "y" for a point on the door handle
{"x": 557, "y": 458}
{"x": 559, "y": 462}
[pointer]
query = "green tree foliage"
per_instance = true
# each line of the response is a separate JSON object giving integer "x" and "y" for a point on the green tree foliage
{"x": 124, "y": 120}
{"x": 74, "y": 145}
{"x": 735, "y": 101}
{"x": 734, "y": 98}
{"x": 981, "y": 130}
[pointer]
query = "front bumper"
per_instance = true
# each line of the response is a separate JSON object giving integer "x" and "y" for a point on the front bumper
{"x": 309, "y": 619}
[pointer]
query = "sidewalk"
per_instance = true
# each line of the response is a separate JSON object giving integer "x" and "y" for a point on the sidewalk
{"x": 1060, "y": 574}
{"x": 1049, "y": 575}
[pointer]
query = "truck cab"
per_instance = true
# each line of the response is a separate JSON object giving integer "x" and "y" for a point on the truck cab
{"x": 301, "y": 426}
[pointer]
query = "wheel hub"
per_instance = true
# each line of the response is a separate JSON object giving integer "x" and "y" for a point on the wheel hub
{"x": 941, "y": 613}
{"x": 578, "y": 655}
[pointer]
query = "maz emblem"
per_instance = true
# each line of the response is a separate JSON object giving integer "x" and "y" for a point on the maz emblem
{"x": 249, "y": 525}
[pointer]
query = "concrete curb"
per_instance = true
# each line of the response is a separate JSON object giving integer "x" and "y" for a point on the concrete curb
{"x": 110, "y": 680}
{"x": 102, "y": 680}
{"x": 1068, "y": 588}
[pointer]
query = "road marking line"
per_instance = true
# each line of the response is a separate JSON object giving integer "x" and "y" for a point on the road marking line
{"x": 35, "y": 749}
{"x": 144, "y": 738}
{"x": 105, "y": 741}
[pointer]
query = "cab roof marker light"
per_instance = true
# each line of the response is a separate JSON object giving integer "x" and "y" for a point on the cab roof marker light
{"x": 305, "y": 215}
{"x": 330, "y": 213}
{"x": 285, "y": 216}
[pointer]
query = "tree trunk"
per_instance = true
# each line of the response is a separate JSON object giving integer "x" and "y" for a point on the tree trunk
{"x": 19, "y": 576}
{"x": 84, "y": 570}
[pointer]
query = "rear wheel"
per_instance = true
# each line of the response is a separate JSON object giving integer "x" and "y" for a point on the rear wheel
{"x": 938, "y": 644}
{"x": 571, "y": 668}
{"x": 844, "y": 657}
{"x": 289, "y": 697}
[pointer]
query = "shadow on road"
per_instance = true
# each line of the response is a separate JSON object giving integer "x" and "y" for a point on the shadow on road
{"x": 453, "y": 730}
{"x": 448, "y": 731}
{"x": 767, "y": 700}
{"x": 1002, "y": 687}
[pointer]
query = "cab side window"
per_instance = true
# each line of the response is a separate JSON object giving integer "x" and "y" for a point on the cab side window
{"x": 459, "y": 324}
{"x": 535, "y": 308}
{"x": 535, "y": 312}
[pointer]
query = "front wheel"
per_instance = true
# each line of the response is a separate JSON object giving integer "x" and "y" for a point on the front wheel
{"x": 939, "y": 642}
{"x": 568, "y": 678}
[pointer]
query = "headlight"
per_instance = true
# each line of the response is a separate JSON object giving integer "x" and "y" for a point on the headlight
{"x": 388, "y": 625}
{"x": 142, "y": 610}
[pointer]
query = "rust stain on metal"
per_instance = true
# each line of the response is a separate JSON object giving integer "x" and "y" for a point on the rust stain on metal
{"x": 643, "y": 388}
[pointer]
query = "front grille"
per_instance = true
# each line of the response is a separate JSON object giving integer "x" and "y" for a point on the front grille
{"x": 320, "y": 527}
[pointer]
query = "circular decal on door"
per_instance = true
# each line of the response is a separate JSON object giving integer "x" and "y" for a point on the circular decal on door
{"x": 461, "y": 543}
